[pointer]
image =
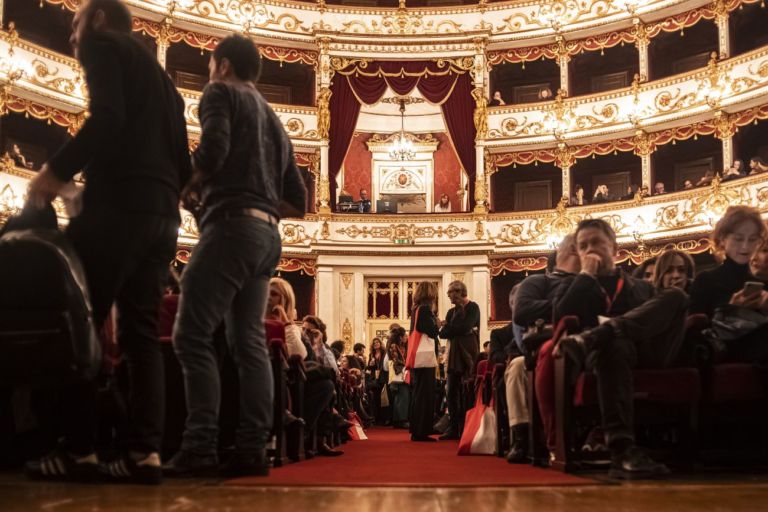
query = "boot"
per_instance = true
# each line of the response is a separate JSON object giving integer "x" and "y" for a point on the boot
{"x": 518, "y": 452}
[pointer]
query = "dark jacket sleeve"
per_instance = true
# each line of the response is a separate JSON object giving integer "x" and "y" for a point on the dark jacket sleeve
{"x": 215, "y": 123}
{"x": 701, "y": 296}
{"x": 427, "y": 323}
{"x": 581, "y": 296}
{"x": 532, "y": 301}
{"x": 294, "y": 189}
{"x": 100, "y": 59}
{"x": 459, "y": 325}
{"x": 182, "y": 151}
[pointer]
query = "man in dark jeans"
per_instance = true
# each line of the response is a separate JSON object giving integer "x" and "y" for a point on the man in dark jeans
{"x": 245, "y": 176}
{"x": 133, "y": 150}
{"x": 461, "y": 326}
{"x": 640, "y": 329}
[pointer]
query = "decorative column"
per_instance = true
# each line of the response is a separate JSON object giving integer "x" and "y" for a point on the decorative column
{"x": 642, "y": 43}
{"x": 480, "y": 93}
{"x": 163, "y": 41}
{"x": 326, "y": 305}
{"x": 725, "y": 128}
{"x": 644, "y": 148}
{"x": 324, "y": 75}
{"x": 480, "y": 291}
{"x": 564, "y": 159}
{"x": 723, "y": 29}
{"x": 563, "y": 59}
{"x": 2, "y": 14}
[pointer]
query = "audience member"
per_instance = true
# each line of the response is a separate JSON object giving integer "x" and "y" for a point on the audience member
{"x": 644, "y": 192}
{"x": 659, "y": 188}
{"x": 631, "y": 192}
{"x": 242, "y": 195}
{"x": 422, "y": 367}
{"x": 644, "y": 271}
{"x": 497, "y": 100}
{"x": 578, "y": 198}
{"x": 364, "y": 204}
{"x": 734, "y": 171}
{"x": 400, "y": 391}
{"x": 444, "y": 205}
{"x": 757, "y": 165}
{"x": 18, "y": 158}
{"x": 758, "y": 264}
{"x": 462, "y": 327}
{"x": 601, "y": 194}
{"x": 545, "y": 94}
{"x": 534, "y": 302}
{"x": 132, "y": 149}
{"x": 314, "y": 328}
{"x": 373, "y": 377}
{"x": 687, "y": 185}
{"x": 735, "y": 238}
{"x": 706, "y": 179}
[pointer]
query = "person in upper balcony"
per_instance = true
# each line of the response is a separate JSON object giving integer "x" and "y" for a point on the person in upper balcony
{"x": 687, "y": 185}
{"x": 631, "y": 191}
{"x": 578, "y": 198}
{"x": 601, "y": 194}
{"x": 497, "y": 100}
{"x": 757, "y": 165}
{"x": 706, "y": 179}
{"x": 364, "y": 204}
{"x": 444, "y": 205}
{"x": 18, "y": 158}
{"x": 659, "y": 188}
{"x": 734, "y": 171}
{"x": 545, "y": 94}
{"x": 133, "y": 150}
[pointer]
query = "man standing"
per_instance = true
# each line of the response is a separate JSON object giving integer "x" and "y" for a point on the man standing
{"x": 245, "y": 177}
{"x": 461, "y": 326}
{"x": 133, "y": 151}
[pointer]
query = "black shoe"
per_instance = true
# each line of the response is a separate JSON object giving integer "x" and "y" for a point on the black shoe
{"x": 146, "y": 470}
{"x": 63, "y": 466}
{"x": 326, "y": 451}
{"x": 518, "y": 452}
{"x": 188, "y": 464}
{"x": 246, "y": 464}
{"x": 634, "y": 463}
{"x": 449, "y": 436}
{"x": 423, "y": 439}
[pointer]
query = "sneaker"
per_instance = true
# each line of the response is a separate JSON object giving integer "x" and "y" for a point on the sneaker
{"x": 634, "y": 463}
{"x": 62, "y": 465}
{"x": 188, "y": 464}
{"x": 128, "y": 468}
{"x": 246, "y": 464}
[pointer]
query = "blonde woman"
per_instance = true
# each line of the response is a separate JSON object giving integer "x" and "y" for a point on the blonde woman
{"x": 281, "y": 305}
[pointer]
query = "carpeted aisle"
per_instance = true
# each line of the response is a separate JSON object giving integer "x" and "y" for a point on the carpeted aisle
{"x": 389, "y": 459}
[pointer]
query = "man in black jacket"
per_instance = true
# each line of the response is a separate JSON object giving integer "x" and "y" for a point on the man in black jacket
{"x": 245, "y": 178}
{"x": 461, "y": 326}
{"x": 534, "y": 300}
{"x": 636, "y": 328}
{"x": 133, "y": 152}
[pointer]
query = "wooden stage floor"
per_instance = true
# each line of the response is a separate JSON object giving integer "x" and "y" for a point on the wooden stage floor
{"x": 731, "y": 492}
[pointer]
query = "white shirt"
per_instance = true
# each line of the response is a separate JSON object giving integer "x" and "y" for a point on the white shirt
{"x": 293, "y": 341}
{"x": 441, "y": 209}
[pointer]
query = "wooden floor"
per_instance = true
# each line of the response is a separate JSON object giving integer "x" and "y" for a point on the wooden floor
{"x": 711, "y": 494}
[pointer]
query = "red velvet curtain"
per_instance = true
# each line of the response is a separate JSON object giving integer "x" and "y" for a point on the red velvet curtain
{"x": 443, "y": 86}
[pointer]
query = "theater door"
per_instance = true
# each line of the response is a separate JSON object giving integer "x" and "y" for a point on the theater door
{"x": 389, "y": 301}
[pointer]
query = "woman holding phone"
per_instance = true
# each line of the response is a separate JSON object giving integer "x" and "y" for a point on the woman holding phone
{"x": 735, "y": 239}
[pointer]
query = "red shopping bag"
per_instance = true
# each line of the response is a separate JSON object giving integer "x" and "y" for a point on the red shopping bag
{"x": 479, "y": 436}
{"x": 356, "y": 432}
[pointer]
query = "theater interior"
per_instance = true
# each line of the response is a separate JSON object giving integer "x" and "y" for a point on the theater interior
{"x": 506, "y": 109}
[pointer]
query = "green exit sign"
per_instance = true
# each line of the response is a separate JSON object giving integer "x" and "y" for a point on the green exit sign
{"x": 403, "y": 241}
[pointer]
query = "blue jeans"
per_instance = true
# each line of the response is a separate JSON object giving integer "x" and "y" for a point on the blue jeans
{"x": 227, "y": 279}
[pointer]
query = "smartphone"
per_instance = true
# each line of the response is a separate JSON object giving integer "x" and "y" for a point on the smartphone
{"x": 752, "y": 288}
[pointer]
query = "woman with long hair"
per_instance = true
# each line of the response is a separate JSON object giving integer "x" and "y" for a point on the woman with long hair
{"x": 735, "y": 239}
{"x": 422, "y": 366}
{"x": 373, "y": 371}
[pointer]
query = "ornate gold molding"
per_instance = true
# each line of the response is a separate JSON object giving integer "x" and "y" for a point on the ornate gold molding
{"x": 346, "y": 279}
{"x": 402, "y": 232}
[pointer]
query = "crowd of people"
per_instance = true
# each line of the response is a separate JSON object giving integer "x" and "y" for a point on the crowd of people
{"x": 628, "y": 321}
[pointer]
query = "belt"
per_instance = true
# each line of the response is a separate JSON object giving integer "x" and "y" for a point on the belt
{"x": 249, "y": 212}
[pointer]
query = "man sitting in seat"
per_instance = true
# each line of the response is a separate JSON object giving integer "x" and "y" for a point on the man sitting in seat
{"x": 641, "y": 331}
{"x": 533, "y": 302}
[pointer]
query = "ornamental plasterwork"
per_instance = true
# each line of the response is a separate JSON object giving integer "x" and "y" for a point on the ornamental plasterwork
{"x": 394, "y": 232}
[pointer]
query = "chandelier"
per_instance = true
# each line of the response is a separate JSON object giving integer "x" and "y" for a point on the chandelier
{"x": 402, "y": 148}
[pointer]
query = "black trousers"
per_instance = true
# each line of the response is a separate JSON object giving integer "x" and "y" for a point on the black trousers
{"x": 649, "y": 336}
{"x": 126, "y": 260}
{"x": 422, "y": 401}
{"x": 318, "y": 395}
{"x": 454, "y": 397}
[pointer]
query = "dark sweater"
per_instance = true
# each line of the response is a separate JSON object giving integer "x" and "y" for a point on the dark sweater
{"x": 245, "y": 154}
{"x": 535, "y": 297}
{"x": 715, "y": 287}
{"x": 133, "y": 147}
{"x": 585, "y": 296}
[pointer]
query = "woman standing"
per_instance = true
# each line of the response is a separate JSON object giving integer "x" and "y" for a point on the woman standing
{"x": 373, "y": 372}
{"x": 422, "y": 366}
